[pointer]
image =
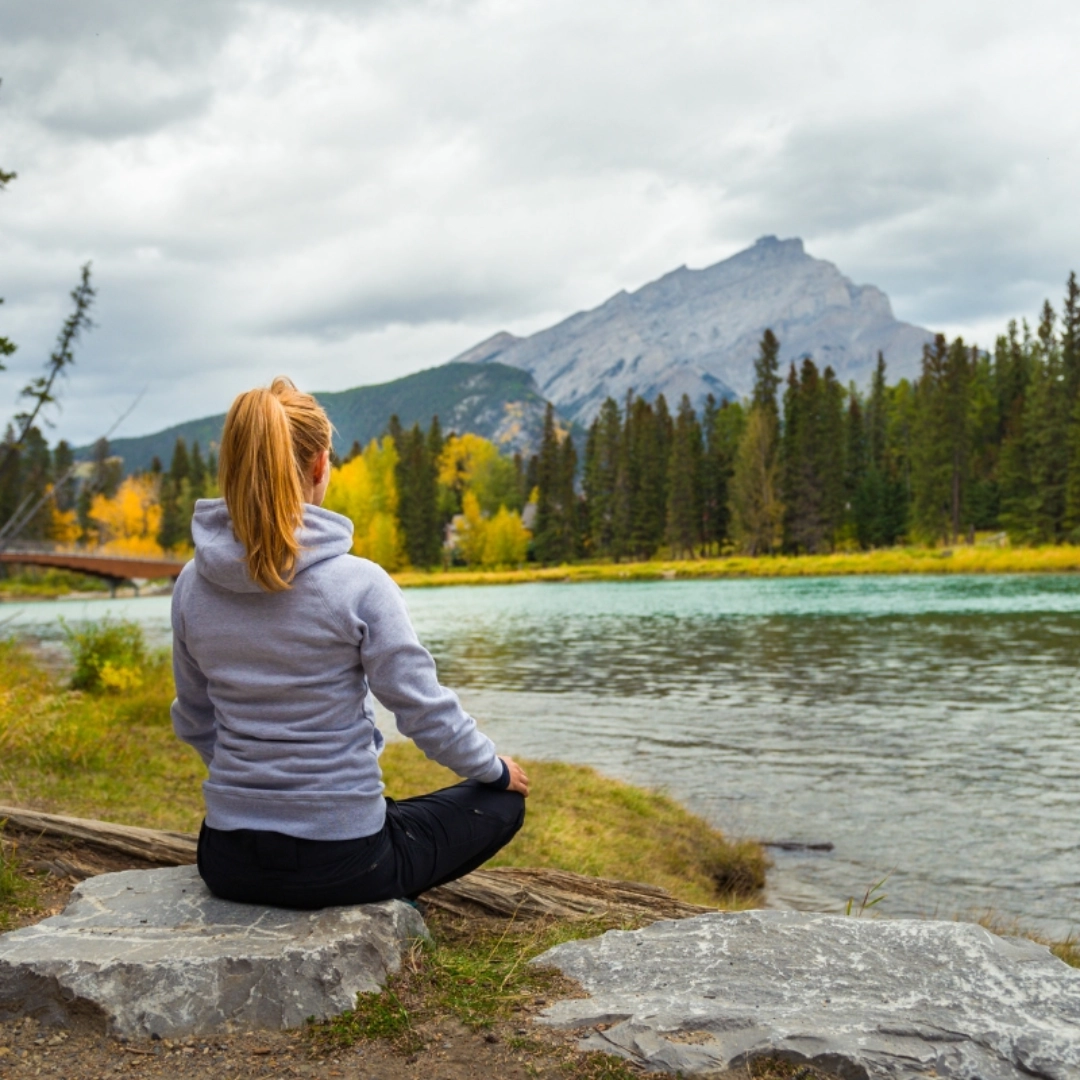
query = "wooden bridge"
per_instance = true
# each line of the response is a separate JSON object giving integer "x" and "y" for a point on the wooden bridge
{"x": 115, "y": 569}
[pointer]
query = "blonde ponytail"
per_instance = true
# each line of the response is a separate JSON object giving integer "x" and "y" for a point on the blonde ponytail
{"x": 270, "y": 443}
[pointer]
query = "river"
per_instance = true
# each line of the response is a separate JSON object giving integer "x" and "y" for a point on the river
{"x": 926, "y": 727}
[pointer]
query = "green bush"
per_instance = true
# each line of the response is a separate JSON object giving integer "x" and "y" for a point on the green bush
{"x": 108, "y": 655}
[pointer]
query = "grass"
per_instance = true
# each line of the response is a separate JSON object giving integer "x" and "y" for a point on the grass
{"x": 582, "y": 821}
{"x": 32, "y": 582}
{"x": 962, "y": 559}
{"x": 1067, "y": 951}
{"x": 111, "y": 753}
{"x": 479, "y": 977}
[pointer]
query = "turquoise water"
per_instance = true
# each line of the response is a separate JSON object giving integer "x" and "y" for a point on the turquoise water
{"x": 927, "y": 727}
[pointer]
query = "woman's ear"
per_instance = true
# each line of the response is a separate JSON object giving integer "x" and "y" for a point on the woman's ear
{"x": 322, "y": 468}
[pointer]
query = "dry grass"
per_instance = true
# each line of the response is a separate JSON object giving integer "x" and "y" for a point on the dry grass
{"x": 963, "y": 559}
{"x": 1067, "y": 950}
{"x": 114, "y": 756}
{"x": 581, "y": 821}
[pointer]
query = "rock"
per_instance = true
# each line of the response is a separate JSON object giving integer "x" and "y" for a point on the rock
{"x": 151, "y": 952}
{"x": 865, "y": 998}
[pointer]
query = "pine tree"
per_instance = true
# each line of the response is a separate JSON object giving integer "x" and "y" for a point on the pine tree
{"x": 1070, "y": 339}
{"x": 646, "y": 480}
{"x": 798, "y": 482}
{"x": 684, "y": 510}
{"x": 941, "y": 446}
{"x": 766, "y": 373}
{"x": 723, "y": 432}
{"x": 180, "y": 469}
{"x": 756, "y": 507}
{"x": 63, "y": 460}
{"x": 417, "y": 484}
{"x": 571, "y": 521}
{"x": 1046, "y": 426}
{"x": 548, "y": 540}
{"x": 601, "y": 475}
{"x": 199, "y": 474}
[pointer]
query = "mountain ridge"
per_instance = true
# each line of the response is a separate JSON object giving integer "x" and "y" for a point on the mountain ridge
{"x": 494, "y": 400}
{"x": 697, "y": 332}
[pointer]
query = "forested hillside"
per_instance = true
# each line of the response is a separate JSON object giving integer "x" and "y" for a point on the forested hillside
{"x": 496, "y": 401}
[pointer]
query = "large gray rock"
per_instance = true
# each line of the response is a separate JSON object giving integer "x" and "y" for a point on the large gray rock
{"x": 151, "y": 952}
{"x": 868, "y": 998}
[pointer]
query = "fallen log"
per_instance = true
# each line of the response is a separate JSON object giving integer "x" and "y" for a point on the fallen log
{"x": 534, "y": 893}
{"x": 522, "y": 893}
{"x": 156, "y": 846}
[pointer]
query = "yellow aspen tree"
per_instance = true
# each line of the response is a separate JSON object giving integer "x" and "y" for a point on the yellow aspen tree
{"x": 365, "y": 491}
{"x": 506, "y": 540}
{"x": 128, "y": 523}
{"x": 471, "y": 530}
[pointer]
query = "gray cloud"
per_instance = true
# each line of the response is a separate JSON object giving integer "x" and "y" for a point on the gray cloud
{"x": 354, "y": 191}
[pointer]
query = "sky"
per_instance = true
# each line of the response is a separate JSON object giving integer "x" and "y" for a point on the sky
{"x": 350, "y": 191}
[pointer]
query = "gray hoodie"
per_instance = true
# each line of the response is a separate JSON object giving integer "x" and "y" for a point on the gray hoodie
{"x": 272, "y": 688}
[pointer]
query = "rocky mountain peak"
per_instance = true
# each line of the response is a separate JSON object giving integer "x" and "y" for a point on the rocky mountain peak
{"x": 697, "y": 332}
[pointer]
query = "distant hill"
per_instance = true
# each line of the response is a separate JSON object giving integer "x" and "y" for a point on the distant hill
{"x": 495, "y": 400}
{"x": 697, "y": 332}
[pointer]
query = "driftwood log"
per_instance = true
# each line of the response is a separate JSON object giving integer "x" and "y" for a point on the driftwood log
{"x": 503, "y": 892}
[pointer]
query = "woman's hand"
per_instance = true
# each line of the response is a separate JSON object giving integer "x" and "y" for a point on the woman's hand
{"x": 519, "y": 782}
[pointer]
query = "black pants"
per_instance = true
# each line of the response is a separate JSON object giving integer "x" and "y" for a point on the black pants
{"x": 425, "y": 842}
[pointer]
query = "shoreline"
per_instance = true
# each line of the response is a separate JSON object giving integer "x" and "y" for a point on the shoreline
{"x": 1061, "y": 559}
{"x": 890, "y": 562}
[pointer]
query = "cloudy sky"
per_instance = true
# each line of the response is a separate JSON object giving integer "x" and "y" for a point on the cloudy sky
{"x": 351, "y": 190}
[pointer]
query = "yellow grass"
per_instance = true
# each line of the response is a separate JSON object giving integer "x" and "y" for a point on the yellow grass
{"x": 963, "y": 559}
{"x": 114, "y": 756}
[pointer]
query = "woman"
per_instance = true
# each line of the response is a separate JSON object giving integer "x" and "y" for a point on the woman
{"x": 279, "y": 634}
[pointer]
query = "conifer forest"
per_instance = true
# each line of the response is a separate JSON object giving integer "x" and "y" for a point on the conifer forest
{"x": 980, "y": 441}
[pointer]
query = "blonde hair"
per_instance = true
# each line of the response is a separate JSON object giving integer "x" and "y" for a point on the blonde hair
{"x": 271, "y": 441}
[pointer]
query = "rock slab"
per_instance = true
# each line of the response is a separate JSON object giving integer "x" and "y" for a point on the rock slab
{"x": 151, "y": 952}
{"x": 898, "y": 999}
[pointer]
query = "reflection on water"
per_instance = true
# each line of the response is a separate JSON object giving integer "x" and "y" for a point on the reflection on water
{"x": 927, "y": 727}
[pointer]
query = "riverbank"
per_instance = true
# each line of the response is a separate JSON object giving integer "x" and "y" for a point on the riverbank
{"x": 112, "y": 755}
{"x": 963, "y": 559}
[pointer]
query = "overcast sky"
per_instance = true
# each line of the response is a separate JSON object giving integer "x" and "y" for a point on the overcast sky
{"x": 350, "y": 191}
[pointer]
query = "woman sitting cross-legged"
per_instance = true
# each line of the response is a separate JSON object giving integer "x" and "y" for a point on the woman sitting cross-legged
{"x": 280, "y": 636}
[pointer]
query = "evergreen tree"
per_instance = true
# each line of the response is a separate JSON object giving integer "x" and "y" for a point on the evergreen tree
{"x": 63, "y": 461}
{"x": 646, "y": 479}
{"x": 571, "y": 523}
{"x": 180, "y": 469}
{"x": 757, "y": 510}
{"x": 1046, "y": 425}
{"x": 35, "y": 474}
{"x": 1070, "y": 339}
{"x": 723, "y": 432}
{"x": 417, "y": 483}
{"x": 767, "y": 373}
{"x": 856, "y": 458}
{"x": 548, "y": 538}
{"x": 198, "y": 477}
{"x": 684, "y": 510}
{"x": 601, "y": 474}
{"x": 941, "y": 446}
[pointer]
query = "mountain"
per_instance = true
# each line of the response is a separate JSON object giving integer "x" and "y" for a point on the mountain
{"x": 495, "y": 400}
{"x": 697, "y": 332}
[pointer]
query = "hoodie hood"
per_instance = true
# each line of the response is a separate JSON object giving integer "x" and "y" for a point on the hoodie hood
{"x": 219, "y": 556}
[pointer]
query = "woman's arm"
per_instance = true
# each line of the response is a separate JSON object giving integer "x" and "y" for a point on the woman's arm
{"x": 401, "y": 674}
{"x": 192, "y": 712}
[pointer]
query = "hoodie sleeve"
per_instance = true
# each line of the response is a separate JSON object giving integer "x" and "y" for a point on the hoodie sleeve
{"x": 401, "y": 674}
{"x": 192, "y": 712}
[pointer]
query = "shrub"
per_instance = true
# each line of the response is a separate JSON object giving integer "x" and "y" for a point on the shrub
{"x": 108, "y": 655}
